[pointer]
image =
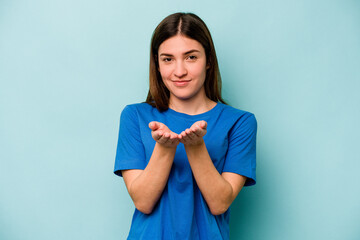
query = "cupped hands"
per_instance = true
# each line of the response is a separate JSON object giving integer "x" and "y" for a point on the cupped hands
{"x": 190, "y": 136}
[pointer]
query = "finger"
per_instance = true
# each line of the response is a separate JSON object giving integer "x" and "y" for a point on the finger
{"x": 167, "y": 135}
{"x": 172, "y": 141}
{"x": 179, "y": 136}
{"x": 189, "y": 135}
{"x": 173, "y": 136}
{"x": 167, "y": 141}
{"x": 197, "y": 131}
{"x": 192, "y": 134}
{"x": 164, "y": 138}
{"x": 161, "y": 140}
{"x": 176, "y": 140}
{"x": 203, "y": 124}
{"x": 157, "y": 135}
{"x": 154, "y": 125}
{"x": 183, "y": 137}
{"x": 200, "y": 132}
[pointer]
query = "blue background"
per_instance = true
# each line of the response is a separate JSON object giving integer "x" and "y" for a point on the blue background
{"x": 67, "y": 69}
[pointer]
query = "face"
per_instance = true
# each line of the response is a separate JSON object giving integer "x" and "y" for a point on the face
{"x": 182, "y": 65}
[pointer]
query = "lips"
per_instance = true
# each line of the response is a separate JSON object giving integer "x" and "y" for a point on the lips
{"x": 181, "y": 83}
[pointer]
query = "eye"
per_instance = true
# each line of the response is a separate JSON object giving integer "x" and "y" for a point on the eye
{"x": 192, "y": 57}
{"x": 167, "y": 59}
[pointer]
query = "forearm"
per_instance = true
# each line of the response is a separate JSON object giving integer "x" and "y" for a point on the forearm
{"x": 146, "y": 188}
{"x": 217, "y": 191}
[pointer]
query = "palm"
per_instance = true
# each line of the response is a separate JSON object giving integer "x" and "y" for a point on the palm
{"x": 194, "y": 135}
{"x": 163, "y": 135}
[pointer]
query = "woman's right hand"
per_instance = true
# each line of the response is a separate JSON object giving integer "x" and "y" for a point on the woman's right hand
{"x": 163, "y": 135}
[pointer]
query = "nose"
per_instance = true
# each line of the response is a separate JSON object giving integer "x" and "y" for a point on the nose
{"x": 180, "y": 70}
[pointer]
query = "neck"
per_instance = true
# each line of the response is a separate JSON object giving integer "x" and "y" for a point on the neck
{"x": 191, "y": 106}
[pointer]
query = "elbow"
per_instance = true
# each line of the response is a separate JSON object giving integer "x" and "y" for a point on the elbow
{"x": 220, "y": 205}
{"x": 219, "y": 209}
{"x": 144, "y": 208}
{"x": 143, "y": 204}
{"x": 145, "y": 211}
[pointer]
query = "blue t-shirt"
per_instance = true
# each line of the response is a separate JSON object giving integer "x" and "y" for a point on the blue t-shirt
{"x": 181, "y": 212}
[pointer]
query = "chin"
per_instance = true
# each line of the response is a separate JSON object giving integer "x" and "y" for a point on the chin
{"x": 184, "y": 98}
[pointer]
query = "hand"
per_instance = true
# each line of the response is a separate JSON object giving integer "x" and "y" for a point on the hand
{"x": 162, "y": 134}
{"x": 194, "y": 135}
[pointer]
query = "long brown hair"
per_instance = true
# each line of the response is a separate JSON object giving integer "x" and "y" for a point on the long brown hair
{"x": 191, "y": 26}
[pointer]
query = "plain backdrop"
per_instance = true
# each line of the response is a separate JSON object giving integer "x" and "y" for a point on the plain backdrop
{"x": 68, "y": 68}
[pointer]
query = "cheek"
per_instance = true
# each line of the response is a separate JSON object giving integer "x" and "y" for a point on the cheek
{"x": 165, "y": 70}
{"x": 165, "y": 75}
{"x": 200, "y": 71}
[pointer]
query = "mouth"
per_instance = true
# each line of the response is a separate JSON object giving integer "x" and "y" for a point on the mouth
{"x": 181, "y": 83}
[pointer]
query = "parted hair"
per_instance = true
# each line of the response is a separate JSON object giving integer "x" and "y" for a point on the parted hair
{"x": 191, "y": 26}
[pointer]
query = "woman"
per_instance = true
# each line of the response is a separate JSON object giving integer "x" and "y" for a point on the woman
{"x": 184, "y": 154}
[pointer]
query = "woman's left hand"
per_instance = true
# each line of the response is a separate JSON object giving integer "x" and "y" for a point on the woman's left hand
{"x": 194, "y": 134}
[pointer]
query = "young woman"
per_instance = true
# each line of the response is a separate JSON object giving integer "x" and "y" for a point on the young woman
{"x": 184, "y": 154}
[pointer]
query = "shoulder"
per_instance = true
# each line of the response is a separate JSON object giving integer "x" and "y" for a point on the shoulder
{"x": 141, "y": 113}
{"x": 132, "y": 112}
{"x": 237, "y": 115}
{"x": 136, "y": 108}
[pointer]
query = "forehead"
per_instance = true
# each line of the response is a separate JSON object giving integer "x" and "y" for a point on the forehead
{"x": 179, "y": 44}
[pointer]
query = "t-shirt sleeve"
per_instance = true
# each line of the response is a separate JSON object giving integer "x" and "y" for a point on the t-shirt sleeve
{"x": 130, "y": 152}
{"x": 241, "y": 155}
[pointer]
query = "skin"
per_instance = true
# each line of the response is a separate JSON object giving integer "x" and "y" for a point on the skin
{"x": 182, "y": 65}
{"x": 184, "y": 59}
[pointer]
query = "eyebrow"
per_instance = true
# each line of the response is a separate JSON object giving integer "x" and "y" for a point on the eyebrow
{"x": 186, "y": 53}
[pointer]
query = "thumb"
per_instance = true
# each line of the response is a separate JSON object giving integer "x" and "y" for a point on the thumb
{"x": 154, "y": 125}
{"x": 203, "y": 124}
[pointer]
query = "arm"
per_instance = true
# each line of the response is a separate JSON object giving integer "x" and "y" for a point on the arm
{"x": 219, "y": 191}
{"x": 146, "y": 186}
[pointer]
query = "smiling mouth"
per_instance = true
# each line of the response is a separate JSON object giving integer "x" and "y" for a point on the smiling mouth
{"x": 180, "y": 81}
